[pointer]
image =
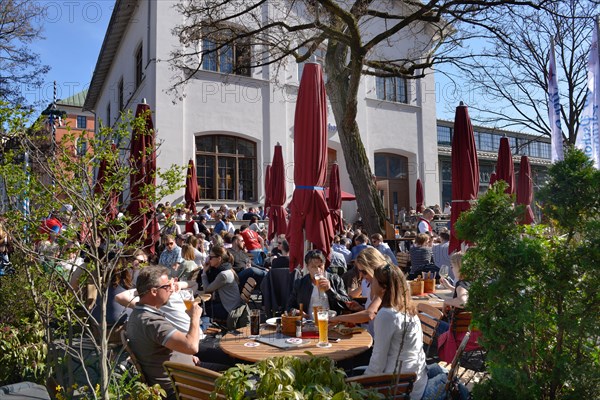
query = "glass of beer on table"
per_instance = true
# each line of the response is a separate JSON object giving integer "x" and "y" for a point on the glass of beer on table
{"x": 323, "y": 323}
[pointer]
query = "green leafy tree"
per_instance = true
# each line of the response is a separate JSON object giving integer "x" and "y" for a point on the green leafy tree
{"x": 33, "y": 174}
{"x": 534, "y": 292}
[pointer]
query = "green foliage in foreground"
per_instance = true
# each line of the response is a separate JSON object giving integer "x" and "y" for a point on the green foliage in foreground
{"x": 535, "y": 292}
{"x": 287, "y": 378}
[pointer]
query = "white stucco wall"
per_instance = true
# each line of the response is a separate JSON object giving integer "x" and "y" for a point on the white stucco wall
{"x": 254, "y": 108}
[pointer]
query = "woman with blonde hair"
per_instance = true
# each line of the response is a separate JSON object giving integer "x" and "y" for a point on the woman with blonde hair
{"x": 367, "y": 261}
{"x": 188, "y": 264}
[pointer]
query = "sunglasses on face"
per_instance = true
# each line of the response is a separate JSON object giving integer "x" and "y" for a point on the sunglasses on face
{"x": 167, "y": 287}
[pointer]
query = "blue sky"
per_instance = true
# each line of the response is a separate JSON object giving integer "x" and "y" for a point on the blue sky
{"x": 73, "y": 32}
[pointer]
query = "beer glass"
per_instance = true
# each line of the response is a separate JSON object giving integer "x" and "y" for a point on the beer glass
{"x": 188, "y": 298}
{"x": 323, "y": 322}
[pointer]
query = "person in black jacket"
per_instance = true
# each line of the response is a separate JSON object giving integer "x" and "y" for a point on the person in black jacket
{"x": 328, "y": 293}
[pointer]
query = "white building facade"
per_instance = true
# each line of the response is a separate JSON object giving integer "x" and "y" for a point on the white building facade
{"x": 229, "y": 124}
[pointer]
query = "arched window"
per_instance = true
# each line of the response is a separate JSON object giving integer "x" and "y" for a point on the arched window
{"x": 226, "y": 168}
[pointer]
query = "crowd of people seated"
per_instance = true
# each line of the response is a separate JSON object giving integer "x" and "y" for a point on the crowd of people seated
{"x": 205, "y": 251}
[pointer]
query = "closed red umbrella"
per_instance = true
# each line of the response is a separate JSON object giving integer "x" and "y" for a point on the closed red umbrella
{"x": 191, "y": 187}
{"x": 465, "y": 170}
{"x": 525, "y": 191}
{"x": 505, "y": 169}
{"x": 267, "y": 188}
{"x": 277, "y": 213}
{"x": 310, "y": 213}
{"x": 144, "y": 226}
{"x": 104, "y": 172}
{"x": 420, "y": 197}
{"x": 334, "y": 198}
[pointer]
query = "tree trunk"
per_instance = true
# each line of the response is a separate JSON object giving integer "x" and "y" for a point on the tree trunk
{"x": 342, "y": 89}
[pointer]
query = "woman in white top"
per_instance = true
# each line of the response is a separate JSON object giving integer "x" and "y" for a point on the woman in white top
{"x": 399, "y": 344}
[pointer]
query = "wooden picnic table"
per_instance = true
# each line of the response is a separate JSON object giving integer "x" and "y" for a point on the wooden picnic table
{"x": 239, "y": 345}
{"x": 434, "y": 299}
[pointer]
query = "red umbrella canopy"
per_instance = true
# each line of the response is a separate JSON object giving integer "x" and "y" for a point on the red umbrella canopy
{"x": 268, "y": 188}
{"x": 310, "y": 213}
{"x": 143, "y": 160}
{"x": 191, "y": 187}
{"x": 465, "y": 170}
{"x": 525, "y": 191}
{"x": 420, "y": 197}
{"x": 505, "y": 169}
{"x": 104, "y": 171}
{"x": 345, "y": 195}
{"x": 334, "y": 198}
{"x": 277, "y": 213}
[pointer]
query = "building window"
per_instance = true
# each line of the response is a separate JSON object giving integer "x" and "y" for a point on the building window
{"x": 391, "y": 166}
{"x": 81, "y": 147}
{"x": 138, "y": 67}
{"x": 226, "y": 168}
{"x": 120, "y": 92}
{"x": 317, "y": 56}
{"x": 486, "y": 142}
{"x": 392, "y": 89}
{"x": 225, "y": 55}
{"x": 446, "y": 179}
{"x": 444, "y": 134}
{"x": 545, "y": 150}
{"x": 81, "y": 122}
{"x": 108, "y": 114}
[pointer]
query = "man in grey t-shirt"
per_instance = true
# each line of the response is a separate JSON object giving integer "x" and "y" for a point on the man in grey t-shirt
{"x": 155, "y": 340}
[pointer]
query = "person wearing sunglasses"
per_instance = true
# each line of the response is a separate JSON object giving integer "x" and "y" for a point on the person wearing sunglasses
{"x": 329, "y": 293}
{"x": 155, "y": 340}
{"x": 219, "y": 277}
{"x": 171, "y": 255}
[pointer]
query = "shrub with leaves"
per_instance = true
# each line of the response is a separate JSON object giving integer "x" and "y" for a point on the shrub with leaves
{"x": 535, "y": 293}
{"x": 285, "y": 378}
{"x": 22, "y": 352}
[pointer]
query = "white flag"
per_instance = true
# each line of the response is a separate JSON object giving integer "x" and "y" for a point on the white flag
{"x": 554, "y": 109}
{"x": 588, "y": 136}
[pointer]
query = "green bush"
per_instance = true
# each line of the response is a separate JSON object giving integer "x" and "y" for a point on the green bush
{"x": 22, "y": 352}
{"x": 315, "y": 378}
{"x": 535, "y": 293}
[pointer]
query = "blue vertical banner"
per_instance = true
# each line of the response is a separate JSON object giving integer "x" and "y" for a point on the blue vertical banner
{"x": 554, "y": 108}
{"x": 588, "y": 137}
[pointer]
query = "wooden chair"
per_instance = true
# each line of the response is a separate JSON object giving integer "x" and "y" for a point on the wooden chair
{"x": 191, "y": 382}
{"x": 394, "y": 387}
{"x": 452, "y": 382}
{"x": 246, "y": 294}
{"x": 132, "y": 357}
{"x": 194, "y": 274}
{"x": 430, "y": 319}
{"x": 461, "y": 320}
{"x": 473, "y": 359}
